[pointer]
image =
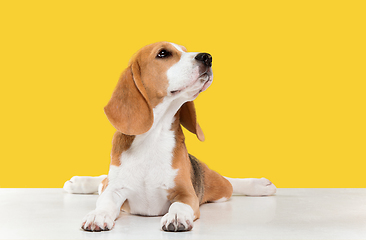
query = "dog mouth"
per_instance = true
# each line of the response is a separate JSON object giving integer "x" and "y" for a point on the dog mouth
{"x": 205, "y": 78}
{"x": 206, "y": 84}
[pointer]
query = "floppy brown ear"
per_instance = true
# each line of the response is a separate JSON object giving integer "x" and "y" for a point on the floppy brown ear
{"x": 129, "y": 109}
{"x": 189, "y": 120}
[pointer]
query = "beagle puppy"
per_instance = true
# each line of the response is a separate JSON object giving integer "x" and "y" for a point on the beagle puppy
{"x": 151, "y": 173}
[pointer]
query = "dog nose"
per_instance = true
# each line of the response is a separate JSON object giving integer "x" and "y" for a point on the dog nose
{"x": 205, "y": 58}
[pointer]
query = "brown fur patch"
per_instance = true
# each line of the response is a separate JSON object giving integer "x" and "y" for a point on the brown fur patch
{"x": 126, "y": 207}
{"x": 188, "y": 119}
{"x": 216, "y": 186}
{"x": 153, "y": 70}
{"x": 206, "y": 185}
{"x": 120, "y": 143}
{"x": 104, "y": 184}
{"x": 197, "y": 176}
{"x": 129, "y": 110}
{"x": 142, "y": 86}
{"x": 183, "y": 191}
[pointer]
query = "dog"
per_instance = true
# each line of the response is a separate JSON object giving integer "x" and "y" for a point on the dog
{"x": 151, "y": 172}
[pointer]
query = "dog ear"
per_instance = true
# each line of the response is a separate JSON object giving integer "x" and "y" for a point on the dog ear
{"x": 188, "y": 120}
{"x": 129, "y": 109}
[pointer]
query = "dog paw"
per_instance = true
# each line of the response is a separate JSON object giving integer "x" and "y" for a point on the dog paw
{"x": 179, "y": 218}
{"x": 97, "y": 221}
{"x": 83, "y": 184}
{"x": 261, "y": 187}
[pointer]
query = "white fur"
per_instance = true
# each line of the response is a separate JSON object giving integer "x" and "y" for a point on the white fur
{"x": 177, "y": 47}
{"x": 146, "y": 172}
{"x": 252, "y": 186}
{"x": 179, "y": 213}
{"x": 184, "y": 73}
{"x": 83, "y": 184}
{"x": 107, "y": 210}
{"x": 185, "y": 76}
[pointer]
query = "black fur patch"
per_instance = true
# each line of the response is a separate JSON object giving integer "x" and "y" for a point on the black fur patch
{"x": 197, "y": 176}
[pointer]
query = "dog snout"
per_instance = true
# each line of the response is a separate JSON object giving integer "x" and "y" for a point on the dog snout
{"x": 206, "y": 58}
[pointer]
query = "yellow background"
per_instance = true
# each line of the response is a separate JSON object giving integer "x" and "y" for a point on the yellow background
{"x": 287, "y": 101}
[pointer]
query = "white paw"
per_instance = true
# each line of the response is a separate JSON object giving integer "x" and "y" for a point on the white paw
{"x": 78, "y": 185}
{"x": 261, "y": 187}
{"x": 83, "y": 184}
{"x": 179, "y": 218}
{"x": 97, "y": 220}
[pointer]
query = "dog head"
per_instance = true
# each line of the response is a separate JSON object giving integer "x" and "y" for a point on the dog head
{"x": 160, "y": 72}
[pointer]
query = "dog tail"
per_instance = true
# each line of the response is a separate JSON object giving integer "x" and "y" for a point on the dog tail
{"x": 84, "y": 185}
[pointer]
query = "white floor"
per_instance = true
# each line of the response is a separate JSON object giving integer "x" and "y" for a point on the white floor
{"x": 291, "y": 214}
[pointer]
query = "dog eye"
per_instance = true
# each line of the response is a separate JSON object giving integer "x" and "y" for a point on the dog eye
{"x": 163, "y": 54}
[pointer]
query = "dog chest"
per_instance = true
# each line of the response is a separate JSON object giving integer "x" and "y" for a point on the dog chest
{"x": 146, "y": 173}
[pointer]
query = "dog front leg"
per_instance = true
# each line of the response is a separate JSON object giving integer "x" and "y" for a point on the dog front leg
{"x": 182, "y": 212}
{"x": 108, "y": 208}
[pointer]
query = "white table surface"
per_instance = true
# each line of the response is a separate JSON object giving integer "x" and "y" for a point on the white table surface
{"x": 293, "y": 213}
